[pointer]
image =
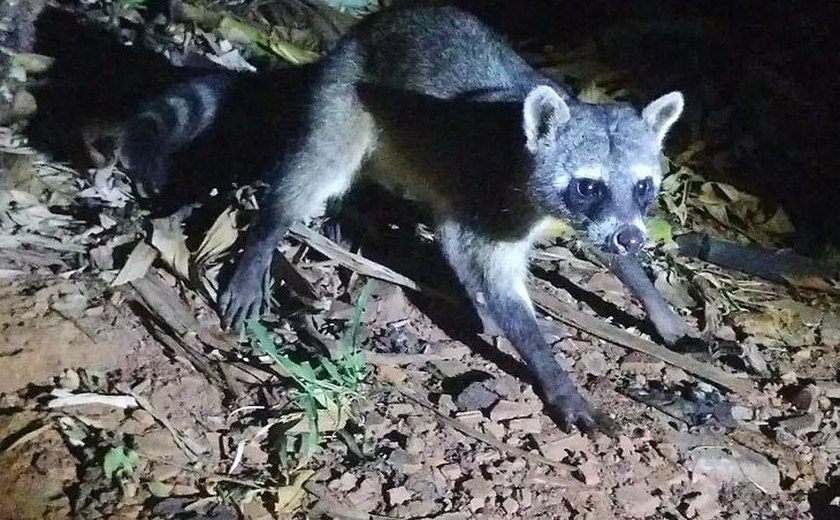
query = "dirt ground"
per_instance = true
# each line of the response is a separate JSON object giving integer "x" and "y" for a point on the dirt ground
{"x": 121, "y": 397}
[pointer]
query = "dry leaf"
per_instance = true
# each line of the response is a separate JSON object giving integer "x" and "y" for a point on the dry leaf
{"x": 722, "y": 464}
{"x": 168, "y": 237}
{"x": 137, "y": 265}
{"x": 288, "y": 497}
{"x": 674, "y": 290}
{"x": 221, "y": 236}
{"x": 327, "y": 422}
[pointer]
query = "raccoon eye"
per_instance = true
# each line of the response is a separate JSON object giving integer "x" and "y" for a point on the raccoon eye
{"x": 643, "y": 187}
{"x": 588, "y": 188}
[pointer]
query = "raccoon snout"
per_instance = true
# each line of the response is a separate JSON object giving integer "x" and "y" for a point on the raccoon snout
{"x": 627, "y": 240}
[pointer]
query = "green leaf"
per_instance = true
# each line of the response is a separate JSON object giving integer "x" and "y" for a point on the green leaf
{"x": 660, "y": 230}
{"x": 307, "y": 372}
{"x": 119, "y": 461}
{"x": 283, "y": 450}
{"x": 353, "y": 337}
{"x": 331, "y": 369}
{"x": 312, "y": 437}
{"x": 351, "y": 443}
{"x": 159, "y": 489}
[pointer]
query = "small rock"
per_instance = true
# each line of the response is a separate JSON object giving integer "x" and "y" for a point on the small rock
{"x": 801, "y": 425}
{"x": 346, "y": 482}
{"x": 367, "y": 496}
{"x": 703, "y": 505}
{"x": 637, "y": 500}
{"x": 415, "y": 445}
{"x": 641, "y": 364}
{"x": 830, "y": 389}
{"x": 397, "y": 495}
{"x": 69, "y": 379}
{"x": 392, "y": 374}
{"x": 451, "y": 471}
{"x": 718, "y": 464}
{"x": 475, "y": 504}
{"x": 476, "y": 396}
{"x": 505, "y": 410}
{"x": 486, "y": 457}
{"x": 472, "y": 418}
{"x": 526, "y": 425}
{"x": 674, "y": 375}
{"x": 510, "y": 506}
{"x": 418, "y": 509}
{"x": 594, "y": 362}
{"x": 254, "y": 510}
{"x": 450, "y": 368}
{"x": 478, "y": 487}
{"x": 742, "y": 414}
{"x": 830, "y": 329}
{"x": 727, "y": 333}
{"x": 404, "y": 463}
{"x": 446, "y": 405}
{"x": 399, "y": 409}
{"x": 588, "y": 473}
{"x": 495, "y": 429}
{"x": 525, "y": 499}
{"x": 561, "y": 448}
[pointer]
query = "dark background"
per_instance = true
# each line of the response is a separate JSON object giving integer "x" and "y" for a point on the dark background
{"x": 761, "y": 81}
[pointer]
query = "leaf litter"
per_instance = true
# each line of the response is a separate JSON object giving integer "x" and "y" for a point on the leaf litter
{"x": 312, "y": 423}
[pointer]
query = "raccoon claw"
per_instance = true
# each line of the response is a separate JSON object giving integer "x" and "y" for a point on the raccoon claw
{"x": 674, "y": 331}
{"x": 244, "y": 297}
{"x": 574, "y": 410}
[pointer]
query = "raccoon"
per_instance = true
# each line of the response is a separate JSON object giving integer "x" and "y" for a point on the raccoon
{"x": 429, "y": 102}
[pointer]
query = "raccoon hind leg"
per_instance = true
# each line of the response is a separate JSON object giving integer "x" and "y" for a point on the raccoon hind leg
{"x": 165, "y": 125}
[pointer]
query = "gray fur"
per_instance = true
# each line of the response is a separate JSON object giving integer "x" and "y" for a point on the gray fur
{"x": 164, "y": 125}
{"x": 443, "y": 111}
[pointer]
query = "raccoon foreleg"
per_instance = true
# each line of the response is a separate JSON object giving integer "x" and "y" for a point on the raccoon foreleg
{"x": 319, "y": 165}
{"x": 494, "y": 275}
{"x": 247, "y": 292}
{"x": 669, "y": 325}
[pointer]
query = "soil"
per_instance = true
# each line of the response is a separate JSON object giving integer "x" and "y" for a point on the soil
{"x": 446, "y": 424}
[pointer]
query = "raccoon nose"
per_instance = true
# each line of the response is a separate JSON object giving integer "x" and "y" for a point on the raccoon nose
{"x": 628, "y": 239}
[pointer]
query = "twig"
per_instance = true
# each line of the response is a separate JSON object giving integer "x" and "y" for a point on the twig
{"x": 37, "y": 428}
{"x": 547, "y": 303}
{"x": 192, "y": 449}
{"x": 352, "y": 261}
{"x": 606, "y": 331}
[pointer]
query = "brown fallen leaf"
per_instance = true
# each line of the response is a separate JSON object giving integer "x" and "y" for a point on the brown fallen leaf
{"x": 221, "y": 236}
{"x": 137, "y": 265}
{"x": 169, "y": 239}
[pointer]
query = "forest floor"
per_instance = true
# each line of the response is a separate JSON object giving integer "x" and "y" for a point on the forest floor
{"x": 369, "y": 395}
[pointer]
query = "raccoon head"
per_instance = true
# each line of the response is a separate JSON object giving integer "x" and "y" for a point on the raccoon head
{"x": 597, "y": 165}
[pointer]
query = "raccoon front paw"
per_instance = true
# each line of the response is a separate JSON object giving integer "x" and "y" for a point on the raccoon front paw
{"x": 672, "y": 328}
{"x": 245, "y": 294}
{"x": 571, "y": 410}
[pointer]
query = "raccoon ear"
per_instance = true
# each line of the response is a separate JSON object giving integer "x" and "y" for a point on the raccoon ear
{"x": 543, "y": 113}
{"x": 663, "y": 112}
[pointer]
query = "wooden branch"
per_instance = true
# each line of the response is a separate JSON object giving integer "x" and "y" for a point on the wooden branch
{"x": 608, "y": 332}
{"x": 547, "y": 303}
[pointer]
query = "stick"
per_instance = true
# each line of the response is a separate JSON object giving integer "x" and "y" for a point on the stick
{"x": 606, "y": 331}
{"x": 546, "y": 302}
